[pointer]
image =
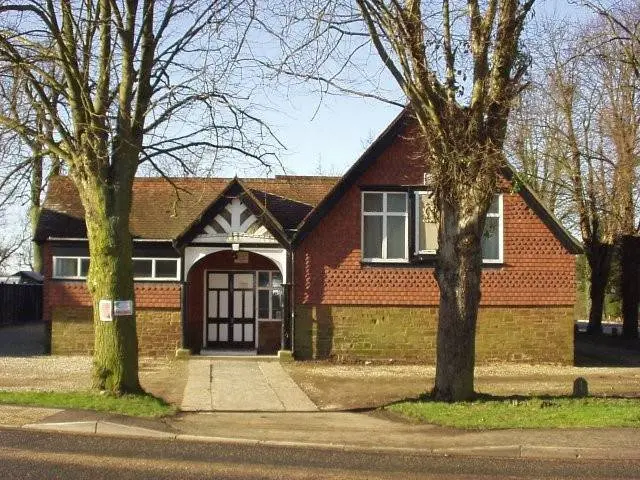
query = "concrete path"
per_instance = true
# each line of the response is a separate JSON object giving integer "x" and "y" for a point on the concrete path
{"x": 242, "y": 386}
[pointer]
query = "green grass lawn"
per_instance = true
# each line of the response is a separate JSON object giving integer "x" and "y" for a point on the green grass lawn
{"x": 133, "y": 405}
{"x": 535, "y": 412}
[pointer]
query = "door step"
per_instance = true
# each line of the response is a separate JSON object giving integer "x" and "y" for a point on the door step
{"x": 237, "y": 355}
{"x": 209, "y": 352}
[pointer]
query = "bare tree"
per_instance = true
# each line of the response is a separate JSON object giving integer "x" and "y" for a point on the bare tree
{"x": 133, "y": 77}
{"x": 536, "y": 148}
{"x": 587, "y": 86}
{"x": 26, "y": 168}
{"x": 622, "y": 49}
{"x": 460, "y": 65}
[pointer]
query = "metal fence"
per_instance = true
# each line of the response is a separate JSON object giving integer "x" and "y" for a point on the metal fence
{"x": 20, "y": 303}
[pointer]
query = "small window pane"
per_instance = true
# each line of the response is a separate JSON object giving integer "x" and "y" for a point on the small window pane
{"x": 142, "y": 268}
{"x": 224, "y": 332}
{"x": 373, "y": 202}
{"x": 84, "y": 267}
{"x": 237, "y": 332}
{"x": 248, "y": 304}
{"x": 66, "y": 267}
{"x": 224, "y": 305}
{"x": 427, "y": 227}
{"x": 243, "y": 280}
{"x": 219, "y": 280}
{"x": 263, "y": 279}
{"x": 490, "y": 239}
{"x": 372, "y": 247}
{"x": 213, "y": 304}
{"x": 166, "y": 268}
{"x": 396, "y": 202}
{"x": 263, "y": 303}
{"x": 276, "y": 305}
{"x": 396, "y": 237}
{"x": 237, "y": 304}
{"x": 495, "y": 206}
{"x": 277, "y": 280}
{"x": 248, "y": 332}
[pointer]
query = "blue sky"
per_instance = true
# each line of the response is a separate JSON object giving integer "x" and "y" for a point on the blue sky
{"x": 333, "y": 131}
{"x": 329, "y": 132}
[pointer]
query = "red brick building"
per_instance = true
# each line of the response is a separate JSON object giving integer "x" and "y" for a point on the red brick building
{"x": 322, "y": 266}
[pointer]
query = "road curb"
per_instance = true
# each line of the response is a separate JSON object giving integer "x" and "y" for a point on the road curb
{"x": 110, "y": 429}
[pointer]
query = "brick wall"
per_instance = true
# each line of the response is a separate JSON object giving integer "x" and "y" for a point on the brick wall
{"x": 67, "y": 310}
{"x": 72, "y": 331}
{"x": 537, "y": 269}
{"x": 348, "y": 333}
{"x": 350, "y": 310}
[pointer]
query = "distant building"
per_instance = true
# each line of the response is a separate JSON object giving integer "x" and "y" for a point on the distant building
{"x": 24, "y": 277}
{"x": 323, "y": 267}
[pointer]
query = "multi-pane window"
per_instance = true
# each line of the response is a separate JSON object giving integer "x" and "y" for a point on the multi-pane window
{"x": 270, "y": 296}
{"x": 156, "y": 269}
{"x": 143, "y": 268}
{"x": 70, "y": 267}
{"x": 384, "y": 226}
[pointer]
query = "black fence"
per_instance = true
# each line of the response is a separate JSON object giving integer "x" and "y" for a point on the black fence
{"x": 20, "y": 303}
{"x": 630, "y": 263}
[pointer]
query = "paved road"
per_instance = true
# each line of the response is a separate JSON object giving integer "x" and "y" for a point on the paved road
{"x": 37, "y": 455}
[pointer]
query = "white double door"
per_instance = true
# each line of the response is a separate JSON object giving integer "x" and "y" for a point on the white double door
{"x": 230, "y": 315}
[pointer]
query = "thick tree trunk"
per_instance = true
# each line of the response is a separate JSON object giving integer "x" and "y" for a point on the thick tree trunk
{"x": 630, "y": 285}
{"x": 458, "y": 274}
{"x": 34, "y": 209}
{"x": 599, "y": 257}
{"x": 111, "y": 278}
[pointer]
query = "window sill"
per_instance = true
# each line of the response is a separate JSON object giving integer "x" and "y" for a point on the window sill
{"x": 135, "y": 280}
{"x": 429, "y": 261}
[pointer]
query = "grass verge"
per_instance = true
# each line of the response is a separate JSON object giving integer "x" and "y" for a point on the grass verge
{"x": 533, "y": 412}
{"x": 142, "y": 405}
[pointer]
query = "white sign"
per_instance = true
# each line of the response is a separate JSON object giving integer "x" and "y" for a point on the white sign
{"x": 106, "y": 310}
{"x": 241, "y": 257}
{"x": 122, "y": 308}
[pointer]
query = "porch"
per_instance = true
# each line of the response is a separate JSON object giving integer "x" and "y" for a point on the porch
{"x": 234, "y": 301}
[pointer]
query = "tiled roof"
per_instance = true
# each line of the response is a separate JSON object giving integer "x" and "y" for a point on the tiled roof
{"x": 289, "y": 213}
{"x": 162, "y": 211}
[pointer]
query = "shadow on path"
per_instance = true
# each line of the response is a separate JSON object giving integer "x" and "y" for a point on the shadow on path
{"x": 25, "y": 340}
{"x": 606, "y": 351}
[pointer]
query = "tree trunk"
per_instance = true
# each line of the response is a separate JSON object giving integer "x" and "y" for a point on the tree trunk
{"x": 458, "y": 274}
{"x": 110, "y": 277}
{"x": 34, "y": 208}
{"x": 630, "y": 285}
{"x": 599, "y": 257}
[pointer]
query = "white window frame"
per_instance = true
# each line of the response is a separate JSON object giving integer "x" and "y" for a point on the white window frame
{"x": 268, "y": 288}
{"x": 78, "y": 260}
{"x": 385, "y": 214}
{"x": 500, "y": 217}
{"x": 153, "y": 277}
{"x": 416, "y": 199}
